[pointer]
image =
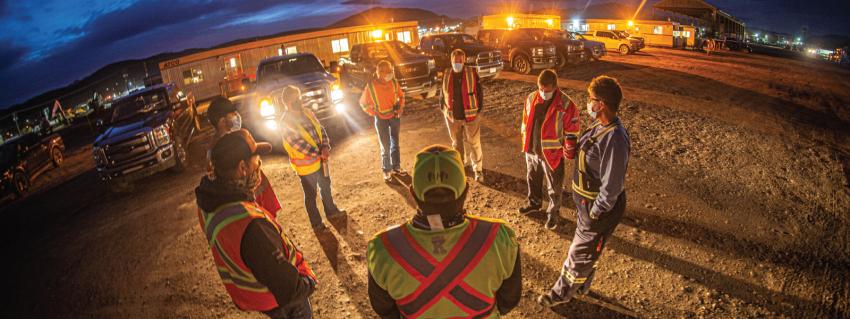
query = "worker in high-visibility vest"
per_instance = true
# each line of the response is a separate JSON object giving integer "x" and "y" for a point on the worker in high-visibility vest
{"x": 462, "y": 102}
{"x": 383, "y": 99}
{"x": 443, "y": 263}
{"x": 599, "y": 192}
{"x": 549, "y": 129}
{"x": 261, "y": 268}
{"x": 308, "y": 146}
{"x": 224, "y": 117}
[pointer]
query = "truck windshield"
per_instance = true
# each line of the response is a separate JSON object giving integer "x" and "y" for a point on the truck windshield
{"x": 288, "y": 67}
{"x": 130, "y": 107}
{"x": 461, "y": 39}
{"x": 383, "y": 50}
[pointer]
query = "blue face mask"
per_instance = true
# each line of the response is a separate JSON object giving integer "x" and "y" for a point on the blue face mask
{"x": 590, "y": 110}
{"x": 457, "y": 67}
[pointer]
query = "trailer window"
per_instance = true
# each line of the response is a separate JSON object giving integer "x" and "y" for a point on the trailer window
{"x": 658, "y": 29}
{"x": 612, "y": 26}
{"x": 192, "y": 76}
{"x": 403, "y": 36}
{"x": 339, "y": 45}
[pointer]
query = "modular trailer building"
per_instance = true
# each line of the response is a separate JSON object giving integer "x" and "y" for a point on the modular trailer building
{"x": 206, "y": 74}
{"x": 654, "y": 32}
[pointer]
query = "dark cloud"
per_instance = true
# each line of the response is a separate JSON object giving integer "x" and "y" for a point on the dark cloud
{"x": 10, "y": 55}
{"x": 360, "y": 2}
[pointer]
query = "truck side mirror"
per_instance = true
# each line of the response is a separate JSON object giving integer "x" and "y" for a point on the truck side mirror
{"x": 334, "y": 67}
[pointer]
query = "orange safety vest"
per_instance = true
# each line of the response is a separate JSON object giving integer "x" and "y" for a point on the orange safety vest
{"x": 443, "y": 279}
{"x": 561, "y": 120}
{"x": 467, "y": 88}
{"x": 224, "y": 229}
{"x": 375, "y": 101}
{"x": 304, "y": 164}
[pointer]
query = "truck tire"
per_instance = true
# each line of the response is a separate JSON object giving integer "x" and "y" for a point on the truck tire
{"x": 180, "y": 157}
{"x": 56, "y": 157}
{"x": 595, "y": 54}
{"x": 624, "y": 49}
{"x": 521, "y": 64}
{"x": 562, "y": 61}
{"x": 20, "y": 184}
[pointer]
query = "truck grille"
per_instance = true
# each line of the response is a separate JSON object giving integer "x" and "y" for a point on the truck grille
{"x": 412, "y": 70}
{"x": 314, "y": 95}
{"x": 128, "y": 149}
{"x": 489, "y": 57}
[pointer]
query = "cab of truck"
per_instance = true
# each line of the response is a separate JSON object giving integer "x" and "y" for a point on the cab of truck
{"x": 568, "y": 50}
{"x": 485, "y": 59}
{"x": 320, "y": 93}
{"x": 614, "y": 42}
{"x": 414, "y": 70}
{"x": 523, "y": 51}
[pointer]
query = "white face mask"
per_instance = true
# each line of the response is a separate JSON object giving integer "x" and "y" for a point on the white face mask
{"x": 457, "y": 67}
{"x": 388, "y": 77}
{"x": 590, "y": 110}
{"x": 546, "y": 95}
{"x": 235, "y": 122}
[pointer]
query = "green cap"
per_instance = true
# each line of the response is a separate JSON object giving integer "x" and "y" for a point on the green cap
{"x": 438, "y": 166}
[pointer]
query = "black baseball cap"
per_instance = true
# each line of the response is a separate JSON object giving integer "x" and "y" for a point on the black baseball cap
{"x": 219, "y": 107}
{"x": 234, "y": 147}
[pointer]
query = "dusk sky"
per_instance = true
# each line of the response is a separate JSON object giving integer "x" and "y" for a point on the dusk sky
{"x": 50, "y": 43}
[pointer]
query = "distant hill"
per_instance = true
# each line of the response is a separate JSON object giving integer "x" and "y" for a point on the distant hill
{"x": 385, "y": 15}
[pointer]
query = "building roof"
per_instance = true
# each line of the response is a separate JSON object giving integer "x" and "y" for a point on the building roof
{"x": 289, "y": 36}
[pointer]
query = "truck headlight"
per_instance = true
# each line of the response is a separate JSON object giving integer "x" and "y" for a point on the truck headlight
{"x": 336, "y": 94}
{"x": 340, "y": 108}
{"x": 266, "y": 108}
{"x": 161, "y": 136}
{"x": 431, "y": 64}
{"x": 271, "y": 124}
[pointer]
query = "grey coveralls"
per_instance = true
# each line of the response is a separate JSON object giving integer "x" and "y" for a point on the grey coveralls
{"x": 600, "y": 197}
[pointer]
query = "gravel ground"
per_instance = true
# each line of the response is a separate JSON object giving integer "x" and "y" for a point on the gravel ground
{"x": 738, "y": 206}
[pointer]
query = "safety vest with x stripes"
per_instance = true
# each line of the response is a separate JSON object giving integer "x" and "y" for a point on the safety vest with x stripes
{"x": 224, "y": 229}
{"x": 585, "y": 184}
{"x": 450, "y": 273}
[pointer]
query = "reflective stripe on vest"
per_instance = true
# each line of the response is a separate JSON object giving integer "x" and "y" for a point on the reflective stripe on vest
{"x": 583, "y": 184}
{"x": 443, "y": 279}
{"x": 373, "y": 94}
{"x": 470, "y": 101}
{"x": 303, "y": 164}
{"x": 230, "y": 220}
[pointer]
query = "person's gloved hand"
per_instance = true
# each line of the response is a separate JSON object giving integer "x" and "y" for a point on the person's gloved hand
{"x": 570, "y": 147}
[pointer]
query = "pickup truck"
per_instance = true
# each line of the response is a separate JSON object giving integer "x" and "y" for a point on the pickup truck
{"x": 25, "y": 158}
{"x": 569, "y": 50}
{"x": 148, "y": 132}
{"x": 414, "y": 70}
{"x": 614, "y": 42}
{"x": 524, "y": 52}
{"x": 319, "y": 92}
{"x": 593, "y": 50}
{"x": 641, "y": 41}
{"x": 485, "y": 59}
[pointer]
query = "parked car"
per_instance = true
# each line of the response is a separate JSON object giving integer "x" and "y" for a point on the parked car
{"x": 614, "y": 42}
{"x": 593, "y": 50}
{"x": 25, "y": 158}
{"x": 486, "y": 60}
{"x": 523, "y": 51}
{"x": 414, "y": 70}
{"x": 148, "y": 132}
{"x": 319, "y": 92}
{"x": 641, "y": 42}
{"x": 568, "y": 50}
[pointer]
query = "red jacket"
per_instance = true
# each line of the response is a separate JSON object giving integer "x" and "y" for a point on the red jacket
{"x": 562, "y": 119}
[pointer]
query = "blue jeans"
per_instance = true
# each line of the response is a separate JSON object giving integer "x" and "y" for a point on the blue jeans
{"x": 308, "y": 185}
{"x": 388, "y": 135}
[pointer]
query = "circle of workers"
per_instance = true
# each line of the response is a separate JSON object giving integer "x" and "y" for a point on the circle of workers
{"x": 444, "y": 262}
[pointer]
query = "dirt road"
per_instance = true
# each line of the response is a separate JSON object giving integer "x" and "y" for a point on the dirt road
{"x": 738, "y": 206}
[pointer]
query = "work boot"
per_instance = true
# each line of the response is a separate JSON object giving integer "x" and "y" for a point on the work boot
{"x": 388, "y": 176}
{"x": 479, "y": 177}
{"x": 528, "y": 209}
{"x": 550, "y": 300}
{"x": 551, "y": 221}
{"x": 399, "y": 172}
